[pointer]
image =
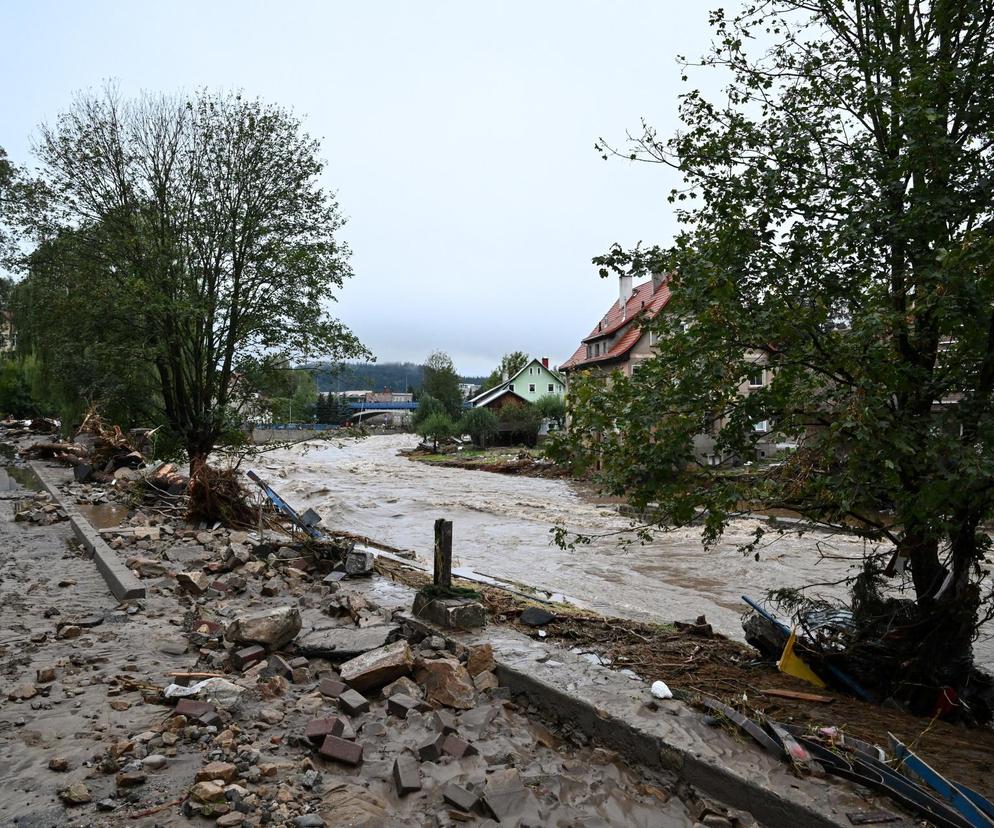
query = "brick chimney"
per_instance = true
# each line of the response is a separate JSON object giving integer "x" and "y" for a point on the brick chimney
{"x": 545, "y": 362}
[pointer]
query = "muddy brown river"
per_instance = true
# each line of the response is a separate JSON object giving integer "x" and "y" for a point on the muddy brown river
{"x": 501, "y": 529}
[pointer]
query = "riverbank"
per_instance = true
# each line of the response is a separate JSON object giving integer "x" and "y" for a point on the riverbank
{"x": 503, "y": 526}
{"x": 527, "y": 462}
{"x": 693, "y": 659}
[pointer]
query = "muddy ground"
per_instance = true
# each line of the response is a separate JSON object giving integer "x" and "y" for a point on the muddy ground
{"x": 86, "y": 737}
{"x": 513, "y": 461}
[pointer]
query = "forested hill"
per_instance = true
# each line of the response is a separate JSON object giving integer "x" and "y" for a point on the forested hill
{"x": 396, "y": 376}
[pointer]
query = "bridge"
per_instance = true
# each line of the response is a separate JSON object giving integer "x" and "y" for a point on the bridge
{"x": 364, "y": 410}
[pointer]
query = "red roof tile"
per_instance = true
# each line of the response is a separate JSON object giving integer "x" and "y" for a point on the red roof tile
{"x": 643, "y": 302}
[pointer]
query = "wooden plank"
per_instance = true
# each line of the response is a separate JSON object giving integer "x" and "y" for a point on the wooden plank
{"x": 443, "y": 552}
{"x": 797, "y": 695}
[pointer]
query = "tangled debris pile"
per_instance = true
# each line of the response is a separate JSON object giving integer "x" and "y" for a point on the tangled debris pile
{"x": 97, "y": 451}
{"x": 862, "y": 653}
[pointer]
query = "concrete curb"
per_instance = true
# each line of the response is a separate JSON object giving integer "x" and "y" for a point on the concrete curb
{"x": 734, "y": 773}
{"x": 121, "y": 581}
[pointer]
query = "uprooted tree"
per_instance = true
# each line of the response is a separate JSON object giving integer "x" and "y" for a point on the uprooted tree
{"x": 211, "y": 240}
{"x": 837, "y": 214}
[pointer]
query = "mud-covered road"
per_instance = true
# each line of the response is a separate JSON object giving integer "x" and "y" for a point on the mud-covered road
{"x": 502, "y": 529}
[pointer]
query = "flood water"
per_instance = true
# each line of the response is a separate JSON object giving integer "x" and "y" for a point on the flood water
{"x": 502, "y": 523}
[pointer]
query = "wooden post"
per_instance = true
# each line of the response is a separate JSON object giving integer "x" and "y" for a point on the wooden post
{"x": 443, "y": 552}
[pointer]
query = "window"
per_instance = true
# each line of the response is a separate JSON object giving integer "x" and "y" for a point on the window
{"x": 551, "y": 387}
{"x": 653, "y": 338}
{"x": 761, "y": 427}
{"x": 510, "y": 387}
{"x": 756, "y": 378}
{"x": 531, "y": 387}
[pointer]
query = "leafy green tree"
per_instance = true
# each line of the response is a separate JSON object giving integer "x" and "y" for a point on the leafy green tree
{"x": 437, "y": 427}
{"x": 428, "y": 406}
{"x": 509, "y": 365}
{"x": 82, "y": 334}
{"x": 16, "y": 398}
{"x": 839, "y": 224}
{"x": 520, "y": 422}
{"x": 209, "y": 220}
{"x": 481, "y": 424}
{"x": 442, "y": 382}
{"x": 552, "y": 407}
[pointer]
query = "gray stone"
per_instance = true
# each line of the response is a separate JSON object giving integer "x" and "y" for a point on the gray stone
{"x": 536, "y": 617}
{"x": 359, "y": 562}
{"x": 155, "y": 762}
{"x": 274, "y": 627}
{"x": 450, "y": 613}
{"x": 309, "y": 821}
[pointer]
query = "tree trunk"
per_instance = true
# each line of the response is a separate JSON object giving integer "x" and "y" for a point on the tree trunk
{"x": 199, "y": 448}
{"x": 941, "y": 643}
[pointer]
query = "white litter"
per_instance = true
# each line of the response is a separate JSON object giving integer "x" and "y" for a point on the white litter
{"x": 215, "y": 690}
{"x": 660, "y": 690}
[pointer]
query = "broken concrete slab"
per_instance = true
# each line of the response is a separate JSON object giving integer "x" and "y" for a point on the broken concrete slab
{"x": 450, "y": 613}
{"x": 343, "y": 643}
{"x": 378, "y": 667}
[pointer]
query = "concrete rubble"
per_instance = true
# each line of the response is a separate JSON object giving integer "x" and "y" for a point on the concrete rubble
{"x": 250, "y": 689}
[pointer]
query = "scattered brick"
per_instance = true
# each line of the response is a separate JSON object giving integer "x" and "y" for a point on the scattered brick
{"x": 332, "y": 688}
{"x": 406, "y": 775}
{"x": 318, "y": 729}
{"x": 459, "y": 797}
{"x": 247, "y": 656}
{"x": 444, "y": 721}
{"x": 457, "y": 747}
{"x": 353, "y": 703}
{"x": 343, "y": 728}
{"x": 341, "y": 750}
{"x": 401, "y": 704}
{"x": 431, "y": 750}
{"x": 192, "y": 709}
{"x": 277, "y": 666}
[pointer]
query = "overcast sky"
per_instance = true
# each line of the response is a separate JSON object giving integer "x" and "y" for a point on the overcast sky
{"x": 459, "y": 137}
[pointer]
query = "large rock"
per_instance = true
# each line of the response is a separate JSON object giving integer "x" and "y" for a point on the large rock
{"x": 446, "y": 682}
{"x": 378, "y": 667}
{"x": 274, "y": 627}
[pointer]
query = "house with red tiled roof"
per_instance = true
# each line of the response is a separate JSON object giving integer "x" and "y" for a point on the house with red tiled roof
{"x": 617, "y": 341}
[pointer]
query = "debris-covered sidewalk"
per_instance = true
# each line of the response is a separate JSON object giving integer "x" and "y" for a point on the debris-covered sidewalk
{"x": 251, "y": 687}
